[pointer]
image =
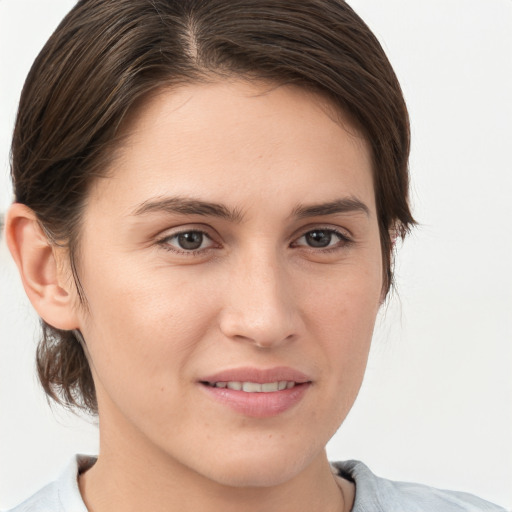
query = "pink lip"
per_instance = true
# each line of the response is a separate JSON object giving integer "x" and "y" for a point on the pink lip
{"x": 258, "y": 405}
{"x": 250, "y": 374}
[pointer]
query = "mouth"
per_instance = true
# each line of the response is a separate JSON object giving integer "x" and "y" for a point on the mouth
{"x": 258, "y": 393}
{"x": 254, "y": 387}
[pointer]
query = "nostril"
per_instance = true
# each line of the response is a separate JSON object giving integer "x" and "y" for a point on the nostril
{"x": 262, "y": 344}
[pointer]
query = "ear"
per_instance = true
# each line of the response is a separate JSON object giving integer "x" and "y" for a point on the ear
{"x": 46, "y": 284}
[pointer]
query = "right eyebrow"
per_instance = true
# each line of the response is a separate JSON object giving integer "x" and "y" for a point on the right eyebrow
{"x": 188, "y": 206}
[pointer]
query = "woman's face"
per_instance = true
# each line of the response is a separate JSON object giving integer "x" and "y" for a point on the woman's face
{"x": 233, "y": 245}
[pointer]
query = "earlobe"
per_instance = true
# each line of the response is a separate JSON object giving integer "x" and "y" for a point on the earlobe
{"x": 47, "y": 288}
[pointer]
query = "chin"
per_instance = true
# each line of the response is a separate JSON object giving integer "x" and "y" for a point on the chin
{"x": 265, "y": 468}
{"x": 252, "y": 475}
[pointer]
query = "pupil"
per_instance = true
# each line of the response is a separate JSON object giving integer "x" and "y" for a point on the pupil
{"x": 191, "y": 240}
{"x": 318, "y": 238}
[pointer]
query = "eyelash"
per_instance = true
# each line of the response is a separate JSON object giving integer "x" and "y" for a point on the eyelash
{"x": 344, "y": 241}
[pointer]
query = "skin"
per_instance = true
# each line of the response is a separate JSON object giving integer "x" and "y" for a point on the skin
{"x": 256, "y": 293}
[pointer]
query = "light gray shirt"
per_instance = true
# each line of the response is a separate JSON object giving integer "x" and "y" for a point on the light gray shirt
{"x": 373, "y": 494}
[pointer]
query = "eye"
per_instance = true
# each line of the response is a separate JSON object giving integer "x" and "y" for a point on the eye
{"x": 187, "y": 241}
{"x": 322, "y": 239}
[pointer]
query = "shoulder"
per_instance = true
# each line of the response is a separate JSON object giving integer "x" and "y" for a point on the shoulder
{"x": 44, "y": 500}
{"x": 62, "y": 495}
{"x": 381, "y": 495}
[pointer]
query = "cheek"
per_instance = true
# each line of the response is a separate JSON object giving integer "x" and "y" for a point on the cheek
{"x": 341, "y": 314}
{"x": 141, "y": 331}
{"x": 128, "y": 292}
{"x": 346, "y": 300}
{"x": 346, "y": 328}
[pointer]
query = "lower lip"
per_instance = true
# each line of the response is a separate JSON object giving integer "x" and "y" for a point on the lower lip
{"x": 259, "y": 405}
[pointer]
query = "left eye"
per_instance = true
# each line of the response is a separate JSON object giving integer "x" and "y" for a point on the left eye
{"x": 189, "y": 241}
{"x": 321, "y": 238}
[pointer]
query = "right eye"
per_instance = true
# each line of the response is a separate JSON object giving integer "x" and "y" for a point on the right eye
{"x": 187, "y": 241}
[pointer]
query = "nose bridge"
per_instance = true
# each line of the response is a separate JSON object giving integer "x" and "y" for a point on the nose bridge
{"x": 260, "y": 307}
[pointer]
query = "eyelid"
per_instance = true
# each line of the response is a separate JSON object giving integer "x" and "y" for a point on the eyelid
{"x": 342, "y": 232}
{"x": 186, "y": 228}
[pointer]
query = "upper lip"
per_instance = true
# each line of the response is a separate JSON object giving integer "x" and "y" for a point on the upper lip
{"x": 258, "y": 375}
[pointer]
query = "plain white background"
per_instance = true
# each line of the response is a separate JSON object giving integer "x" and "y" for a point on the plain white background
{"x": 436, "y": 405}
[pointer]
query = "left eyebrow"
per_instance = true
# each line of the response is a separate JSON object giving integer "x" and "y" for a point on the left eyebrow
{"x": 344, "y": 205}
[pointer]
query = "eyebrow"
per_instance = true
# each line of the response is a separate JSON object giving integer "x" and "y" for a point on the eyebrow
{"x": 186, "y": 206}
{"x": 343, "y": 205}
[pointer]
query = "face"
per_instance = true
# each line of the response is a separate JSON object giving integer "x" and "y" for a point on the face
{"x": 232, "y": 269}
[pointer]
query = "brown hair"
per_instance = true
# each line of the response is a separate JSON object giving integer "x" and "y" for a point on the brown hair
{"x": 108, "y": 54}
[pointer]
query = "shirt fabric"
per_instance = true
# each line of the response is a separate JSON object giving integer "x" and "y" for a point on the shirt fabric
{"x": 373, "y": 494}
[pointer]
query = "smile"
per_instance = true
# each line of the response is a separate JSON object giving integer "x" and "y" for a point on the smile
{"x": 254, "y": 387}
{"x": 255, "y": 392}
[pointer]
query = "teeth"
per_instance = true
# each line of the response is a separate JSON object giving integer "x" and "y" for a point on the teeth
{"x": 269, "y": 387}
{"x": 255, "y": 387}
{"x": 251, "y": 387}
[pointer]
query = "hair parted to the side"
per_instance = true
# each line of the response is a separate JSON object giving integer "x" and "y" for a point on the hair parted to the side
{"x": 108, "y": 54}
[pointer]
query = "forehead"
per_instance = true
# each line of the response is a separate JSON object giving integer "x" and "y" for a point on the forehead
{"x": 236, "y": 140}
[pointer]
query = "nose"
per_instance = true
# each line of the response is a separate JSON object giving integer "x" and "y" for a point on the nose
{"x": 259, "y": 306}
